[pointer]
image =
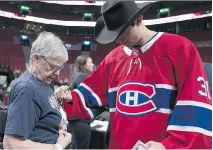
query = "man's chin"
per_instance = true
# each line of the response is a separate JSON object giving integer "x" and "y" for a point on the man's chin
{"x": 129, "y": 44}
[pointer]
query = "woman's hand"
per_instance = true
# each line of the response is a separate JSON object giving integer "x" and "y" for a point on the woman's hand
{"x": 64, "y": 138}
{"x": 62, "y": 93}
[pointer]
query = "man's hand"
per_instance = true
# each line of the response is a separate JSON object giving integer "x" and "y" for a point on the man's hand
{"x": 63, "y": 94}
{"x": 64, "y": 138}
{"x": 155, "y": 145}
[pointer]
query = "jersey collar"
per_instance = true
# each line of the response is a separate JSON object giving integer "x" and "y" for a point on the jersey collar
{"x": 146, "y": 46}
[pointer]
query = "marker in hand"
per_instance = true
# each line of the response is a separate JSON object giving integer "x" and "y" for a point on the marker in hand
{"x": 70, "y": 87}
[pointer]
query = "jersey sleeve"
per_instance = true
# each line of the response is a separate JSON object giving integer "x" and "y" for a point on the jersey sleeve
{"x": 90, "y": 98}
{"x": 190, "y": 125}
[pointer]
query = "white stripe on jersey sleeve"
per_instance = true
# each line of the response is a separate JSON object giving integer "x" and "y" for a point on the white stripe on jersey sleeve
{"x": 112, "y": 89}
{"x": 93, "y": 93}
{"x": 189, "y": 129}
{"x": 193, "y": 103}
{"x": 164, "y": 111}
{"x": 112, "y": 110}
{"x": 166, "y": 86}
{"x": 83, "y": 102}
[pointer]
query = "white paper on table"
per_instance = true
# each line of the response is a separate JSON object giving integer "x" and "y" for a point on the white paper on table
{"x": 103, "y": 125}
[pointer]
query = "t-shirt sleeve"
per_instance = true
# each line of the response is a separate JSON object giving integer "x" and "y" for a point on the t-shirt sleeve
{"x": 22, "y": 114}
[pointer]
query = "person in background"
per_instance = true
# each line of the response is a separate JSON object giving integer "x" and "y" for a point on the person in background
{"x": 2, "y": 98}
{"x": 83, "y": 67}
{"x": 154, "y": 84}
{"x": 80, "y": 129}
{"x": 35, "y": 118}
{"x": 17, "y": 73}
{"x": 1, "y": 86}
{"x": 208, "y": 69}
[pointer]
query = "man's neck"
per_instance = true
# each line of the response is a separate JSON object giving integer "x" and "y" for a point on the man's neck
{"x": 146, "y": 35}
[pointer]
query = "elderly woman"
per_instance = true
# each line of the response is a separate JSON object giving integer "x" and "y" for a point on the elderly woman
{"x": 35, "y": 119}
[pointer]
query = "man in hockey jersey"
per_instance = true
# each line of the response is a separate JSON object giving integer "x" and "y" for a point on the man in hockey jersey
{"x": 154, "y": 84}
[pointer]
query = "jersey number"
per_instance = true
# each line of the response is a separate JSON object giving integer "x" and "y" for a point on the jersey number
{"x": 205, "y": 87}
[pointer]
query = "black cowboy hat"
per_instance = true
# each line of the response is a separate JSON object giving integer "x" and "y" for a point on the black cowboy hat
{"x": 116, "y": 17}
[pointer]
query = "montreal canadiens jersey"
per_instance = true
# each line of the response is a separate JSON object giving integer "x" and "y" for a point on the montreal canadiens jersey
{"x": 157, "y": 92}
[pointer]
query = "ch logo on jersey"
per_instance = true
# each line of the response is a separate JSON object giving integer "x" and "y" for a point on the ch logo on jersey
{"x": 135, "y": 99}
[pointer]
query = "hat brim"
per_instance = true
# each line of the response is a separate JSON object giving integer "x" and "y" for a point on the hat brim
{"x": 105, "y": 36}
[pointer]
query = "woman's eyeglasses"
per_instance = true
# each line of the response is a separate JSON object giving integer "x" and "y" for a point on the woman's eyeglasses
{"x": 52, "y": 67}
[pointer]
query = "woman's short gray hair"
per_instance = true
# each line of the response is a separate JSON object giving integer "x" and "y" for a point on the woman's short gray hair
{"x": 49, "y": 45}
